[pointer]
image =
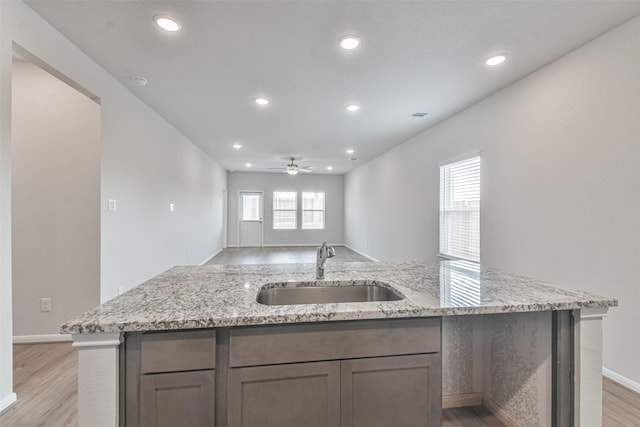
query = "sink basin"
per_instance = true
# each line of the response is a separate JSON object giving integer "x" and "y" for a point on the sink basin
{"x": 323, "y": 292}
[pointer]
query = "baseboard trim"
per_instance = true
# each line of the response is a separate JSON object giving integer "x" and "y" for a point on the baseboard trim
{"x": 32, "y": 339}
{"x": 499, "y": 413}
{"x": 362, "y": 253}
{"x": 621, "y": 379}
{"x": 7, "y": 401}
{"x": 461, "y": 400}
{"x": 302, "y": 245}
{"x": 210, "y": 258}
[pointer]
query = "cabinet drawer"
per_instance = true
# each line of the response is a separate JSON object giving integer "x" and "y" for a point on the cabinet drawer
{"x": 266, "y": 345}
{"x": 178, "y": 351}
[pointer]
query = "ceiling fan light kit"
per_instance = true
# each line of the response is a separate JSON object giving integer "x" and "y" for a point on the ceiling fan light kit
{"x": 293, "y": 168}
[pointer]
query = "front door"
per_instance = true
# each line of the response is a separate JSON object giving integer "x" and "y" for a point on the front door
{"x": 250, "y": 230}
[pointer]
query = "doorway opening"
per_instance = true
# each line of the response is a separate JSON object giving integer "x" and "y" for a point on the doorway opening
{"x": 55, "y": 199}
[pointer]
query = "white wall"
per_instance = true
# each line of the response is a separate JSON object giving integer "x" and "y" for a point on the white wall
{"x": 55, "y": 200}
{"x": 146, "y": 164}
{"x": 332, "y": 185}
{"x": 560, "y": 183}
{"x": 6, "y": 334}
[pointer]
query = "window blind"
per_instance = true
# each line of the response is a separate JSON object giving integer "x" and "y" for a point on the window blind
{"x": 284, "y": 210}
{"x": 312, "y": 211}
{"x": 460, "y": 209}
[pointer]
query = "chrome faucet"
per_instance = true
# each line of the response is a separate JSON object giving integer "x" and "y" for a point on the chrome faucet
{"x": 322, "y": 254}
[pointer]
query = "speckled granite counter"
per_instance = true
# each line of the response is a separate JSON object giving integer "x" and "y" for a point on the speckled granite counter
{"x": 189, "y": 297}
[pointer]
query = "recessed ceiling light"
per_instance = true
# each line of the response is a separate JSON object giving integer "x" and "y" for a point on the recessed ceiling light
{"x": 330, "y": 168}
{"x": 353, "y": 107}
{"x": 167, "y": 23}
{"x": 237, "y": 146}
{"x": 349, "y": 41}
{"x": 262, "y": 101}
{"x": 350, "y": 151}
{"x": 249, "y": 165}
{"x": 496, "y": 60}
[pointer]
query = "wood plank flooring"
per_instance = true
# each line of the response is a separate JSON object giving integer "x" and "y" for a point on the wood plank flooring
{"x": 45, "y": 380}
{"x": 282, "y": 255}
{"x": 621, "y": 405}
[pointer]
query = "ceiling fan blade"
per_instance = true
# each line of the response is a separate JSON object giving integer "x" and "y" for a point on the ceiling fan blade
{"x": 305, "y": 170}
{"x": 280, "y": 169}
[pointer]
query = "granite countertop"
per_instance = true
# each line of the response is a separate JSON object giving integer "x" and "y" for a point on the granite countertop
{"x": 187, "y": 297}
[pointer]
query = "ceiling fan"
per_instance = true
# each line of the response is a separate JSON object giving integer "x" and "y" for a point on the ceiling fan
{"x": 293, "y": 169}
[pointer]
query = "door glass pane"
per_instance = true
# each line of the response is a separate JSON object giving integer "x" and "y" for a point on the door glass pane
{"x": 251, "y": 207}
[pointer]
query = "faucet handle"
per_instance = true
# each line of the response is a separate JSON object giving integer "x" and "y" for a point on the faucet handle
{"x": 331, "y": 252}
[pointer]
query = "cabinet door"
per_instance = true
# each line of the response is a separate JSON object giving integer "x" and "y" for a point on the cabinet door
{"x": 391, "y": 391}
{"x": 182, "y": 399}
{"x": 295, "y": 395}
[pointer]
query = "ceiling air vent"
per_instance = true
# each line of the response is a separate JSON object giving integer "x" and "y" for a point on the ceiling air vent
{"x": 418, "y": 115}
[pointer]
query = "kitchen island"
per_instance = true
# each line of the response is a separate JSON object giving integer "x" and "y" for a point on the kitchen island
{"x": 529, "y": 341}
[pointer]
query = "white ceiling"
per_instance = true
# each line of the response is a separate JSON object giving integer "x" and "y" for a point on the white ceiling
{"x": 416, "y": 56}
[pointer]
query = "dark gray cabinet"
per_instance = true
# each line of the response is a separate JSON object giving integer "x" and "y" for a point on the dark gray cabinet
{"x": 373, "y": 373}
{"x": 391, "y": 391}
{"x": 300, "y": 394}
{"x": 169, "y": 379}
{"x": 184, "y": 399}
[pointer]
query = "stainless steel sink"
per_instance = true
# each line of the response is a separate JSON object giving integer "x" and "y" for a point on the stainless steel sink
{"x": 287, "y": 293}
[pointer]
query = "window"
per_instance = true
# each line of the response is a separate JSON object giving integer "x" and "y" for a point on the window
{"x": 312, "y": 211}
{"x": 251, "y": 207}
{"x": 460, "y": 209}
{"x": 284, "y": 210}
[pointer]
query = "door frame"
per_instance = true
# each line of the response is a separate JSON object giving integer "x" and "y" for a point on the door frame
{"x": 225, "y": 218}
{"x": 261, "y": 214}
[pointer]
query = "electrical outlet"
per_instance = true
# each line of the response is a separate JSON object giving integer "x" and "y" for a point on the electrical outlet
{"x": 113, "y": 206}
{"x": 172, "y": 207}
{"x": 45, "y": 304}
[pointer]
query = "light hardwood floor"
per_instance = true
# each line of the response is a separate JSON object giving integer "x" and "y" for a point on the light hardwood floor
{"x": 621, "y": 405}
{"x": 45, "y": 380}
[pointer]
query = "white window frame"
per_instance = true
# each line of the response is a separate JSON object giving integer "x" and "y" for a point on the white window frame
{"x": 461, "y": 180}
{"x": 323, "y": 210}
{"x": 294, "y": 210}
